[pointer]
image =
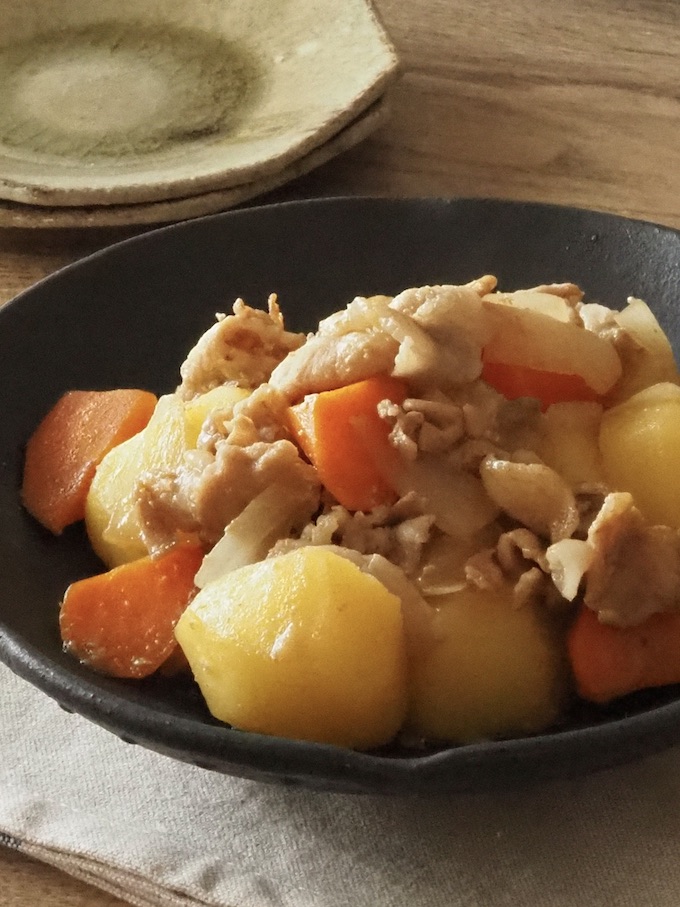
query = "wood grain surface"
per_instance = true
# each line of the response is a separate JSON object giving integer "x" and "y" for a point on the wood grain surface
{"x": 575, "y": 103}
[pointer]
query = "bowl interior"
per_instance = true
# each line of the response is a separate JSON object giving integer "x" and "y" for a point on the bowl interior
{"x": 127, "y": 316}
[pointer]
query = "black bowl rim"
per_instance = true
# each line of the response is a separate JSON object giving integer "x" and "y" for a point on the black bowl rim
{"x": 326, "y": 767}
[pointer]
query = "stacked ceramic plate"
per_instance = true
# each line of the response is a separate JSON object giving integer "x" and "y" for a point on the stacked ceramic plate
{"x": 118, "y": 112}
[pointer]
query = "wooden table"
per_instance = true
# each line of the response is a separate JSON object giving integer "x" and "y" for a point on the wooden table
{"x": 575, "y": 103}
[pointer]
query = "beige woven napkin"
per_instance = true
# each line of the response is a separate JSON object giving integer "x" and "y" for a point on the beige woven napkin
{"x": 156, "y": 832}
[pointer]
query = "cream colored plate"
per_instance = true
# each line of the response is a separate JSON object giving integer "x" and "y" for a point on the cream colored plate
{"x": 118, "y": 102}
{"x": 19, "y": 215}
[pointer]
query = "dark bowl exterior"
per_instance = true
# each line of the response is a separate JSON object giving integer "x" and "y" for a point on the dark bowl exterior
{"x": 126, "y": 316}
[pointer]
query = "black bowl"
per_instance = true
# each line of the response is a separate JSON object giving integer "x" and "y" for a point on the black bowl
{"x": 128, "y": 315}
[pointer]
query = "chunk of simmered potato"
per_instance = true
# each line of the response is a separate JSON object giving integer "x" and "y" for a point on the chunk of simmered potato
{"x": 304, "y": 645}
{"x": 220, "y": 399}
{"x": 640, "y": 445}
{"x": 494, "y": 670}
{"x": 112, "y": 523}
{"x": 569, "y": 442}
{"x": 111, "y": 518}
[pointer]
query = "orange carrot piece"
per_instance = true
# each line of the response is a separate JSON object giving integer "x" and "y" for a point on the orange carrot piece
{"x": 342, "y": 434}
{"x": 608, "y": 662}
{"x": 68, "y": 445}
{"x": 122, "y": 622}
{"x": 514, "y": 381}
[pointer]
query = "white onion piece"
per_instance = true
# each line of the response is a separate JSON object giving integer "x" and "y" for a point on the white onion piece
{"x": 457, "y": 500}
{"x": 533, "y": 494}
{"x": 250, "y": 535}
{"x": 568, "y": 560}
{"x": 418, "y": 616}
{"x": 546, "y": 303}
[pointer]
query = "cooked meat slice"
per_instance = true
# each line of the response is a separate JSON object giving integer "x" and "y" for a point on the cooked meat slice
{"x": 165, "y": 510}
{"x": 519, "y": 558}
{"x": 204, "y": 499}
{"x": 518, "y": 546}
{"x": 628, "y": 569}
{"x": 258, "y": 417}
{"x": 462, "y": 427}
{"x": 432, "y": 425}
{"x": 634, "y": 569}
{"x": 325, "y": 362}
{"x": 398, "y": 532}
{"x": 428, "y": 335}
{"x": 533, "y": 494}
{"x": 243, "y": 347}
{"x": 441, "y": 305}
{"x": 483, "y": 570}
{"x": 239, "y": 474}
{"x": 349, "y": 346}
{"x": 212, "y": 486}
{"x": 455, "y": 323}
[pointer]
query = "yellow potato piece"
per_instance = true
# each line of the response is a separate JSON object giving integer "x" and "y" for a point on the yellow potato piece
{"x": 304, "y": 645}
{"x": 111, "y": 519}
{"x": 109, "y": 503}
{"x": 640, "y": 446}
{"x": 495, "y": 670}
{"x": 569, "y": 442}
{"x": 196, "y": 411}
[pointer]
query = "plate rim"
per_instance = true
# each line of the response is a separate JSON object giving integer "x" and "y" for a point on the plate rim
{"x": 217, "y": 174}
{"x": 22, "y": 215}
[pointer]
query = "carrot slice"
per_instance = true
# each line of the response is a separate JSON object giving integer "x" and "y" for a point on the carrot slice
{"x": 608, "y": 662}
{"x": 343, "y": 436}
{"x": 122, "y": 622}
{"x": 68, "y": 445}
{"x": 514, "y": 381}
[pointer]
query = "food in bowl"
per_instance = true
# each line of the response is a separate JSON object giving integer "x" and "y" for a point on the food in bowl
{"x": 441, "y": 517}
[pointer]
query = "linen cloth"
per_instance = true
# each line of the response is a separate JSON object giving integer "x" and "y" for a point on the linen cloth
{"x": 157, "y": 832}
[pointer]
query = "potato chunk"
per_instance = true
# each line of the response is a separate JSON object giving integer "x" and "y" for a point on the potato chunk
{"x": 111, "y": 519}
{"x": 495, "y": 670}
{"x": 221, "y": 399}
{"x": 640, "y": 445}
{"x": 569, "y": 442}
{"x": 304, "y": 645}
